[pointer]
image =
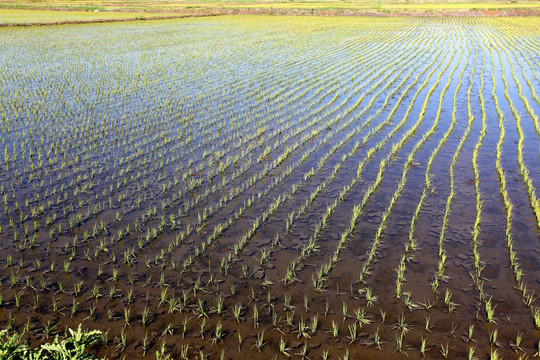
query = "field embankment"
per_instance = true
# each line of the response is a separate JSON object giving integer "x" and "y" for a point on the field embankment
{"x": 55, "y": 12}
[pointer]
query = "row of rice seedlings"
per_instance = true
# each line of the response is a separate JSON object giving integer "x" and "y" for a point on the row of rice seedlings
{"x": 79, "y": 221}
{"x": 309, "y": 174}
{"x": 527, "y": 295}
{"x": 200, "y": 180}
{"x": 404, "y": 54}
{"x": 476, "y": 275}
{"x": 236, "y": 192}
{"x": 522, "y": 49}
{"x": 344, "y": 101}
{"x": 324, "y": 271}
{"x": 412, "y": 244}
{"x": 319, "y": 166}
{"x": 311, "y": 246}
{"x": 272, "y": 208}
{"x": 529, "y": 109}
{"x": 508, "y": 209}
{"x": 261, "y": 175}
{"x": 530, "y": 85}
{"x": 439, "y": 274}
{"x": 296, "y": 213}
{"x": 401, "y": 185}
{"x": 523, "y": 170}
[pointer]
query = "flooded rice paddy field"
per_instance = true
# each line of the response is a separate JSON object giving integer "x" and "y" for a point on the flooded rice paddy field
{"x": 274, "y": 187}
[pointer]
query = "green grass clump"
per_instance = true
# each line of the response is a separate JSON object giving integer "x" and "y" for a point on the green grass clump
{"x": 73, "y": 347}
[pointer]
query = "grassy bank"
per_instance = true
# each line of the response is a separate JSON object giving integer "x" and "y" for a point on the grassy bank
{"x": 60, "y": 11}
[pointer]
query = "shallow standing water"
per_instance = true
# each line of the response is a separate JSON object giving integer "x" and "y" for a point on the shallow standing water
{"x": 246, "y": 187}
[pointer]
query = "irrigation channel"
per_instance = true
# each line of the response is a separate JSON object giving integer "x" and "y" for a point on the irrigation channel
{"x": 274, "y": 187}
